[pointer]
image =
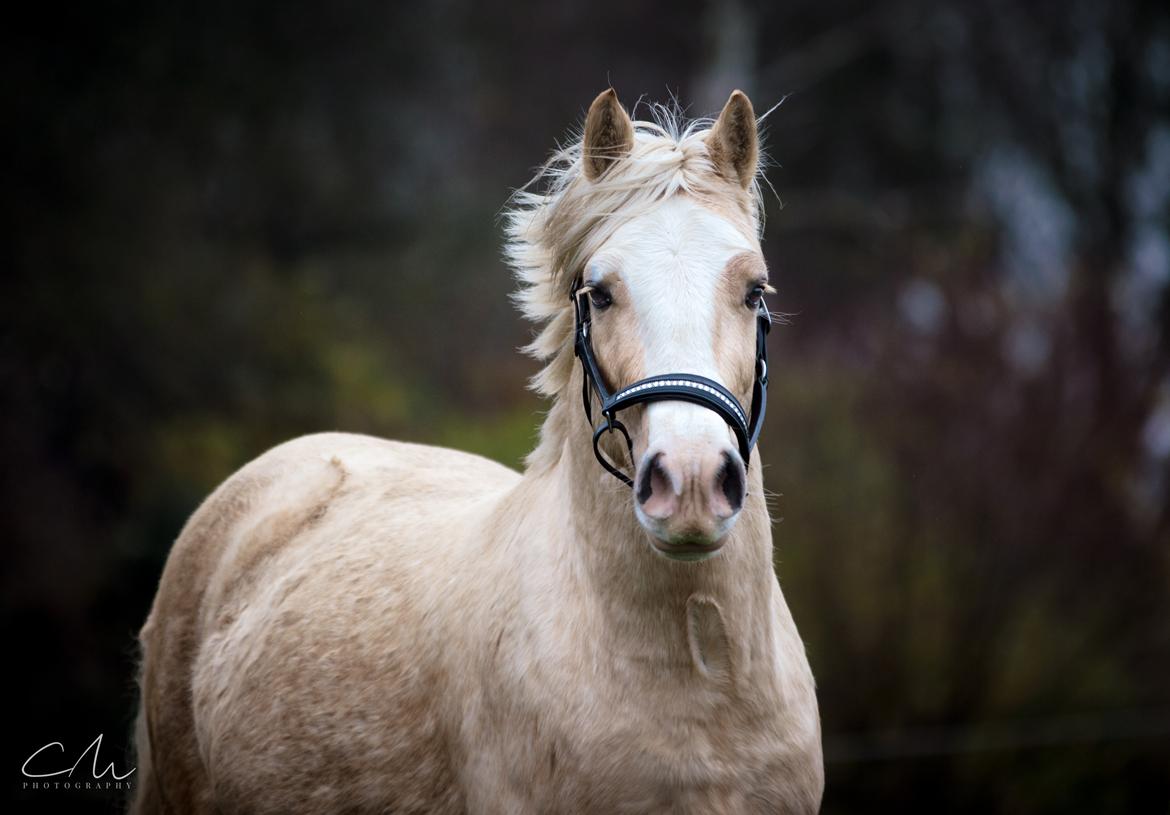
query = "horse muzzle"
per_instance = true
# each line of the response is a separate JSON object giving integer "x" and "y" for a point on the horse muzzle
{"x": 689, "y": 494}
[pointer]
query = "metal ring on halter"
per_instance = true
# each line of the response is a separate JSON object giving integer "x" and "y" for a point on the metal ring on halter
{"x": 613, "y": 424}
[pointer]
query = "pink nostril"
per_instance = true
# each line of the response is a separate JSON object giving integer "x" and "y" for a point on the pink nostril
{"x": 650, "y": 472}
{"x": 729, "y": 483}
{"x": 655, "y": 490}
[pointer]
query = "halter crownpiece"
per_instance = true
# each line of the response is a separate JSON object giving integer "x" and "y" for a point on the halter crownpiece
{"x": 677, "y": 387}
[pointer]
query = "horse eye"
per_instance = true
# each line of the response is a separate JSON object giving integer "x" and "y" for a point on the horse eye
{"x": 754, "y": 297}
{"x": 600, "y": 298}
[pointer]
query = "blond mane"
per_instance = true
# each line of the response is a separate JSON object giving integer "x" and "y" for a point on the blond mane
{"x": 557, "y": 221}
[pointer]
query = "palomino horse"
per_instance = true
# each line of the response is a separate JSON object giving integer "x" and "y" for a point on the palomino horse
{"x": 355, "y": 625}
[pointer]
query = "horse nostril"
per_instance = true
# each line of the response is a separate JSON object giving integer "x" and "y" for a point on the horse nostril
{"x": 646, "y": 482}
{"x": 730, "y": 480}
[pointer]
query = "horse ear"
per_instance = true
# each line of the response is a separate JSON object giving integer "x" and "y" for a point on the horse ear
{"x": 733, "y": 142}
{"x": 609, "y": 134}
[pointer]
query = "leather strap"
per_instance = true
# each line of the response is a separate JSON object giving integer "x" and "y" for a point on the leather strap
{"x": 678, "y": 387}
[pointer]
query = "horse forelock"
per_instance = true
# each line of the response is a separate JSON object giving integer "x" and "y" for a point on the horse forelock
{"x": 560, "y": 218}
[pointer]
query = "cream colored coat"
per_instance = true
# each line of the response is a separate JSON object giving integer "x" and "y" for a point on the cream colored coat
{"x": 325, "y": 640}
{"x": 356, "y": 625}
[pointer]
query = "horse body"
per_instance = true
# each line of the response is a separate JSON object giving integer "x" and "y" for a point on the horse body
{"x": 356, "y": 625}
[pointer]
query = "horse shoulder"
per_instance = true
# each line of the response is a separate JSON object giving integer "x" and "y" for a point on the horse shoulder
{"x": 304, "y": 588}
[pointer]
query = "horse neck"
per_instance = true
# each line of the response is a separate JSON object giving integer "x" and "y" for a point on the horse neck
{"x": 642, "y": 600}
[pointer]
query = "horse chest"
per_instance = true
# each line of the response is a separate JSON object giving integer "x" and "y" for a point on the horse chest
{"x": 622, "y": 760}
{"x": 628, "y": 739}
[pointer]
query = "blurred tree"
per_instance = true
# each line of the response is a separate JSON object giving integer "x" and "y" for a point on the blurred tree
{"x": 235, "y": 223}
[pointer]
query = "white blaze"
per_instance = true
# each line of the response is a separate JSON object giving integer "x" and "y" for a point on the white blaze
{"x": 671, "y": 261}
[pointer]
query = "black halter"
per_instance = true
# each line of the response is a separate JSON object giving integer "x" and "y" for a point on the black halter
{"x": 683, "y": 387}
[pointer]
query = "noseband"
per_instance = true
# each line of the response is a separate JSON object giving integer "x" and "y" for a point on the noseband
{"x": 668, "y": 387}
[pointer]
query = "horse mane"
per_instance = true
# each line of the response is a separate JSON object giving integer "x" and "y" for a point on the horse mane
{"x": 559, "y": 219}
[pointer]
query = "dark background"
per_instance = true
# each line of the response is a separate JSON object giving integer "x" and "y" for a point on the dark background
{"x": 232, "y": 223}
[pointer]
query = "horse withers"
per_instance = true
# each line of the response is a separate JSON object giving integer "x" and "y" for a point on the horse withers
{"x": 349, "y": 624}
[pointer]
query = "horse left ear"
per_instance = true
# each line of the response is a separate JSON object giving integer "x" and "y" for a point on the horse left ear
{"x": 609, "y": 134}
{"x": 733, "y": 142}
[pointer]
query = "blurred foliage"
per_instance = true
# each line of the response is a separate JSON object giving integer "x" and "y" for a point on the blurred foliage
{"x": 235, "y": 223}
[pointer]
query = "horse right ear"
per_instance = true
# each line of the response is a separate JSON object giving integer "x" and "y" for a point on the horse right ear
{"x": 733, "y": 141}
{"x": 609, "y": 134}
